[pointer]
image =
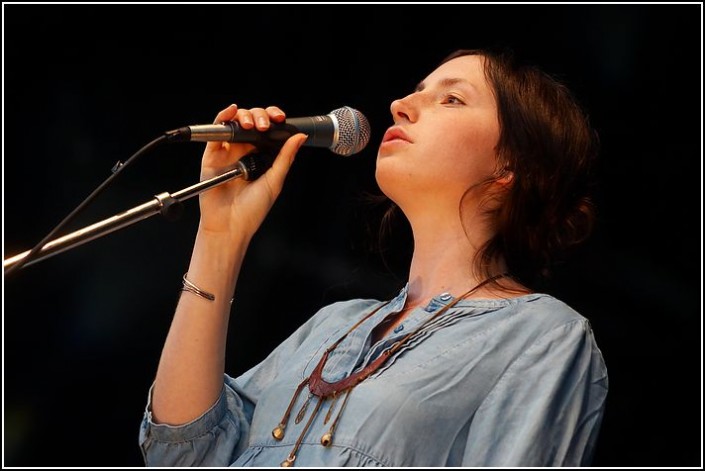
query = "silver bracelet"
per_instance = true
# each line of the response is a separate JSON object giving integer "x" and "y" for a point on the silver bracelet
{"x": 190, "y": 287}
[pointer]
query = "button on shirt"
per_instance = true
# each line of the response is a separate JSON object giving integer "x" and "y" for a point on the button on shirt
{"x": 501, "y": 382}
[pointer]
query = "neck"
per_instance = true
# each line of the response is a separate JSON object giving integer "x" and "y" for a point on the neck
{"x": 443, "y": 258}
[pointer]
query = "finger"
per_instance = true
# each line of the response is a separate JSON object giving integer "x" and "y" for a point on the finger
{"x": 275, "y": 114}
{"x": 261, "y": 118}
{"x": 228, "y": 114}
{"x": 276, "y": 175}
{"x": 245, "y": 118}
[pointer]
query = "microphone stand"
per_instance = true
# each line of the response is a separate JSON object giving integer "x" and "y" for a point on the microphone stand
{"x": 168, "y": 205}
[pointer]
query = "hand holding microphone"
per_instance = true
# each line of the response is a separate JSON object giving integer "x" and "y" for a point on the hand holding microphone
{"x": 345, "y": 131}
{"x": 242, "y": 206}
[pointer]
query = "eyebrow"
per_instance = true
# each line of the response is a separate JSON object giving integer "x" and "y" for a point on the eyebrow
{"x": 447, "y": 82}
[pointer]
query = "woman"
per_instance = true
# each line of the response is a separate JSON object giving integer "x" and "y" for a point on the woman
{"x": 467, "y": 366}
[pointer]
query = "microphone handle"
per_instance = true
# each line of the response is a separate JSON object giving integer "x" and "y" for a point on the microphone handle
{"x": 321, "y": 130}
{"x": 275, "y": 135}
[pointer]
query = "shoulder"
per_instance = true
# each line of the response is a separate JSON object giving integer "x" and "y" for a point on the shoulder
{"x": 535, "y": 321}
{"x": 550, "y": 311}
{"x": 532, "y": 312}
{"x": 552, "y": 324}
{"x": 543, "y": 337}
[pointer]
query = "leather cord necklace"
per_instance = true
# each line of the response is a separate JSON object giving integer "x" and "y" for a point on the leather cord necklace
{"x": 324, "y": 390}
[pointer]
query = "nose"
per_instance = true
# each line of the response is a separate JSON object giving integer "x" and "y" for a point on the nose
{"x": 402, "y": 109}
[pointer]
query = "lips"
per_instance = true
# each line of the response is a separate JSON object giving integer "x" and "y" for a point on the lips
{"x": 396, "y": 133}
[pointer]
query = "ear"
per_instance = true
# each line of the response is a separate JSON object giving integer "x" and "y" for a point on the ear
{"x": 505, "y": 178}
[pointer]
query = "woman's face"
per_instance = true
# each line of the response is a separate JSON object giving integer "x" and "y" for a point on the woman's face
{"x": 443, "y": 139}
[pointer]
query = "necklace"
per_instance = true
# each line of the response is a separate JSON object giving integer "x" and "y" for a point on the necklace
{"x": 323, "y": 390}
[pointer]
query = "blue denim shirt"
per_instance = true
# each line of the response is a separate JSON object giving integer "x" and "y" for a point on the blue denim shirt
{"x": 510, "y": 382}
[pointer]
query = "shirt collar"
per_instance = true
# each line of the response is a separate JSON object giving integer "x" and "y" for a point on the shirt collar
{"x": 442, "y": 299}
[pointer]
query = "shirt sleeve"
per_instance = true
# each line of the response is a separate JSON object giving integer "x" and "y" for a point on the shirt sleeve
{"x": 219, "y": 436}
{"x": 213, "y": 439}
{"x": 547, "y": 407}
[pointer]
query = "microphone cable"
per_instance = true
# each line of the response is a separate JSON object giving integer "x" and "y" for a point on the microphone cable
{"x": 116, "y": 170}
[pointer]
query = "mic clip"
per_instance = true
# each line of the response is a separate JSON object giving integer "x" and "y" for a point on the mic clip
{"x": 169, "y": 207}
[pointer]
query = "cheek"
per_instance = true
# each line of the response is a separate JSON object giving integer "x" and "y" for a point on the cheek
{"x": 479, "y": 155}
{"x": 464, "y": 160}
{"x": 442, "y": 161}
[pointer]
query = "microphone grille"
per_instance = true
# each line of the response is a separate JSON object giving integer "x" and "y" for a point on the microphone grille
{"x": 353, "y": 131}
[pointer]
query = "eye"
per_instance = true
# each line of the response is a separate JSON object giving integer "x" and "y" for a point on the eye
{"x": 453, "y": 100}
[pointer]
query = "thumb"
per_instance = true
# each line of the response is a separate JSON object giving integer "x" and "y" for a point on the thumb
{"x": 282, "y": 163}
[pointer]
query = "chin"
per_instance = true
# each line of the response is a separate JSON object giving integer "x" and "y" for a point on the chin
{"x": 394, "y": 179}
{"x": 384, "y": 177}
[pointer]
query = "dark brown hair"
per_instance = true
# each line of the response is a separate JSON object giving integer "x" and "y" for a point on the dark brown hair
{"x": 546, "y": 141}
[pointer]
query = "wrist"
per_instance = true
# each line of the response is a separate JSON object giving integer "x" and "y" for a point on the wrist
{"x": 224, "y": 240}
{"x": 216, "y": 260}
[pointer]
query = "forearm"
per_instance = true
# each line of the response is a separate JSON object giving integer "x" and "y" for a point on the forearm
{"x": 190, "y": 374}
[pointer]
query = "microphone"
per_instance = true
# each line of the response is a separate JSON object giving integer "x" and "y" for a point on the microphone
{"x": 345, "y": 131}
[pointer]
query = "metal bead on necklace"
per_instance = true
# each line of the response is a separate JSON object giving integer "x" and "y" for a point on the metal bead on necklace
{"x": 323, "y": 390}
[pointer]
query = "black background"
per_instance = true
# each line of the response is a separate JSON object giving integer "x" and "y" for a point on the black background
{"x": 86, "y": 86}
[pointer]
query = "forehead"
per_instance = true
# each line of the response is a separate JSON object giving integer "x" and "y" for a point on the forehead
{"x": 470, "y": 68}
